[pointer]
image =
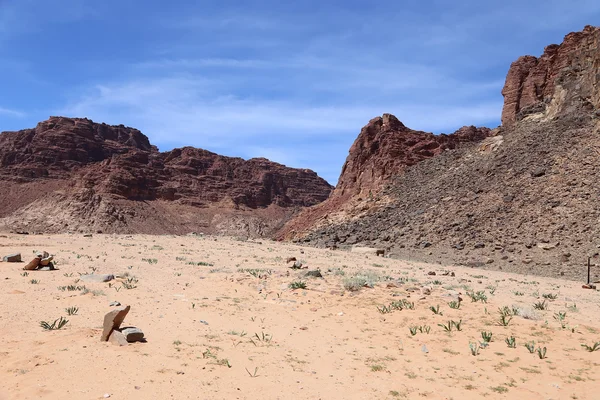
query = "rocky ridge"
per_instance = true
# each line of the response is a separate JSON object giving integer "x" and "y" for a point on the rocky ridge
{"x": 76, "y": 174}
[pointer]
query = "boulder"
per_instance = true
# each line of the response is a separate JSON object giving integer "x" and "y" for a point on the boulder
{"x": 33, "y": 264}
{"x": 315, "y": 274}
{"x": 112, "y": 321}
{"x": 97, "y": 278}
{"x": 132, "y": 334}
{"x": 118, "y": 338}
{"x": 12, "y": 258}
{"x": 45, "y": 261}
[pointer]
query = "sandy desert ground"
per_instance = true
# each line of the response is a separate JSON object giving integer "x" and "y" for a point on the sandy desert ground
{"x": 222, "y": 322}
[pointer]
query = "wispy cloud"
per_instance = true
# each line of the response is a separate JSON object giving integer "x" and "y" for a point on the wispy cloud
{"x": 12, "y": 113}
{"x": 200, "y": 112}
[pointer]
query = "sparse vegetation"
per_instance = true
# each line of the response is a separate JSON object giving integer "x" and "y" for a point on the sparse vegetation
{"x": 474, "y": 348}
{"x": 361, "y": 279}
{"x": 477, "y": 296}
{"x": 297, "y": 285}
{"x": 56, "y": 325}
{"x": 540, "y": 305}
{"x": 72, "y": 310}
{"x": 511, "y": 342}
{"x": 454, "y": 305}
{"x": 486, "y": 336}
{"x": 541, "y": 352}
{"x": 530, "y": 346}
{"x": 436, "y": 310}
{"x": 592, "y": 348}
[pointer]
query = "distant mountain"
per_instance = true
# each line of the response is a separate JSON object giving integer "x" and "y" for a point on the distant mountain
{"x": 71, "y": 174}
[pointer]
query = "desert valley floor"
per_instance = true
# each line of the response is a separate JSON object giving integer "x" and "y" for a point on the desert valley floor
{"x": 221, "y": 321}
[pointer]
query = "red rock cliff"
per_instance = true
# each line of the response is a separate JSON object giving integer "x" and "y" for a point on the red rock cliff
{"x": 563, "y": 79}
{"x": 81, "y": 165}
{"x": 385, "y": 147}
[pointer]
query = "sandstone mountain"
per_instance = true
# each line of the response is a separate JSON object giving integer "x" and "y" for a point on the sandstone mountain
{"x": 71, "y": 174}
{"x": 523, "y": 197}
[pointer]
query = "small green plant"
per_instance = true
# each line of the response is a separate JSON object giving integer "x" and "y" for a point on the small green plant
{"x": 541, "y": 352}
{"x": 505, "y": 320}
{"x": 447, "y": 327}
{"x": 540, "y": 305}
{"x": 457, "y": 325}
{"x": 200, "y": 263}
{"x": 150, "y": 260}
{"x": 252, "y": 375}
{"x": 492, "y": 289}
{"x": 413, "y": 330}
{"x": 530, "y": 346}
{"x": 385, "y": 309}
{"x": 34, "y": 281}
{"x": 550, "y": 296}
{"x": 591, "y": 349}
{"x": 72, "y": 310}
{"x": 454, "y": 304}
{"x": 25, "y": 274}
{"x": 297, "y": 285}
{"x": 436, "y": 310}
{"x": 486, "y": 336}
{"x": 360, "y": 280}
{"x": 560, "y": 317}
{"x": 508, "y": 311}
{"x": 474, "y": 347}
{"x": 425, "y": 329}
{"x": 511, "y": 342}
{"x": 517, "y": 293}
{"x": 437, "y": 282}
{"x": 130, "y": 283}
{"x": 263, "y": 337}
{"x": 477, "y": 296}
{"x": 57, "y": 324}
{"x": 402, "y": 304}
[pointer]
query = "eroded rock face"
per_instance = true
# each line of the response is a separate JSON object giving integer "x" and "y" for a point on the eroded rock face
{"x": 385, "y": 147}
{"x": 563, "y": 79}
{"x": 104, "y": 175}
{"x": 384, "y": 150}
{"x": 518, "y": 201}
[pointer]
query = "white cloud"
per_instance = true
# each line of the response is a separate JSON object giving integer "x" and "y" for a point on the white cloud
{"x": 11, "y": 113}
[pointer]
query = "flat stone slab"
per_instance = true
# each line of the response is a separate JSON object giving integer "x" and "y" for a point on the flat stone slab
{"x": 118, "y": 338}
{"x": 12, "y": 258}
{"x": 49, "y": 267}
{"x": 132, "y": 334}
{"x": 97, "y": 277}
{"x": 112, "y": 321}
{"x": 33, "y": 264}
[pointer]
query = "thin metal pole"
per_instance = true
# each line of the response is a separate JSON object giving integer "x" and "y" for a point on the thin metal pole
{"x": 588, "y": 282}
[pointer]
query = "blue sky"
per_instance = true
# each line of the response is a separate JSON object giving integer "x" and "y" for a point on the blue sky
{"x": 290, "y": 81}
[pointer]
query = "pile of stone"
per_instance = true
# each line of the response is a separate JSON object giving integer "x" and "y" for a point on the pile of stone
{"x": 42, "y": 262}
{"x": 112, "y": 331}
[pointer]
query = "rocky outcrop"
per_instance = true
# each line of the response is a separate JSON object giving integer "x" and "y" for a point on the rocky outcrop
{"x": 521, "y": 200}
{"x": 385, "y": 148}
{"x": 563, "y": 79}
{"x": 85, "y": 167}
